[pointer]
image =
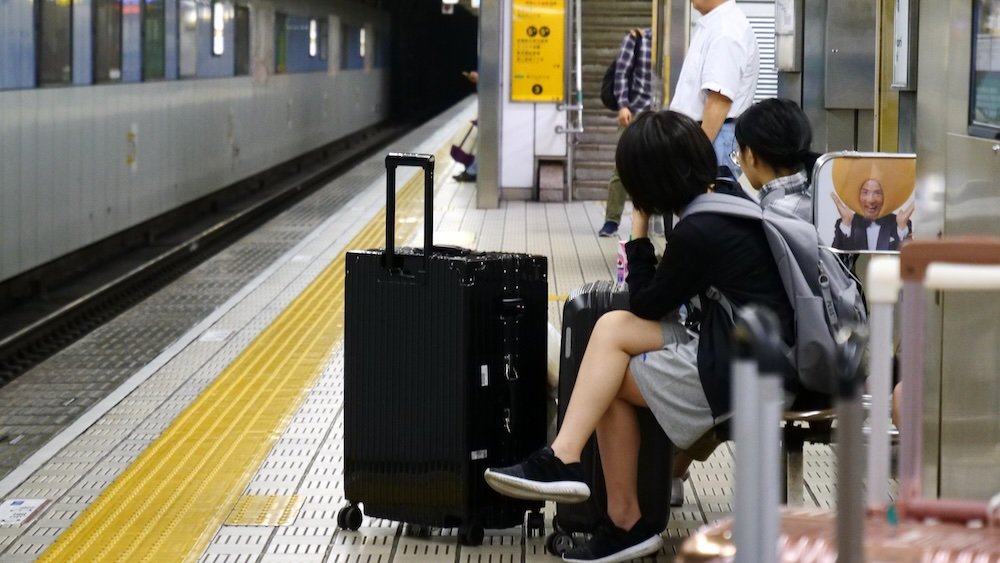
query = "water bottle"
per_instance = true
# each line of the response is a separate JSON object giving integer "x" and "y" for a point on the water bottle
{"x": 622, "y": 263}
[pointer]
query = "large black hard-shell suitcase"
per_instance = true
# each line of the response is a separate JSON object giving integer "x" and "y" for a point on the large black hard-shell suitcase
{"x": 444, "y": 376}
{"x": 580, "y": 313}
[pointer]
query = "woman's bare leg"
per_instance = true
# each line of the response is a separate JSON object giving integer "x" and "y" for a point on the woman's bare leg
{"x": 617, "y": 336}
{"x": 618, "y": 439}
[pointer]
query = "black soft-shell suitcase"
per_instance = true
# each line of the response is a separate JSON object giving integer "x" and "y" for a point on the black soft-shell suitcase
{"x": 444, "y": 376}
{"x": 580, "y": 313}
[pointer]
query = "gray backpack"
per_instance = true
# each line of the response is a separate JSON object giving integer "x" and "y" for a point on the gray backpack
{"x": 822, "y": 291}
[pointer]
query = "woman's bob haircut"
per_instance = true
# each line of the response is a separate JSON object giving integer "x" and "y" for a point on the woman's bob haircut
{"x": 665, "y": 160}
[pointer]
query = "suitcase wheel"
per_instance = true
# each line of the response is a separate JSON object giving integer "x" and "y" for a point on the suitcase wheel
{"x": 349, "y": 517}
{"x": 472, "y": 534}
{"x": 559, "y": 543}
{"x": 534, "y": 524}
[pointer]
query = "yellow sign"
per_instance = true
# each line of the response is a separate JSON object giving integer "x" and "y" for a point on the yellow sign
{"x": 538, "y": 46}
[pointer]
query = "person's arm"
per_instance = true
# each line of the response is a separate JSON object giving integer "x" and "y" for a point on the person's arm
{"x": 722, "y": 77}
{"x": 845, "y": 212}
{"x": 903, "y": 225}
{"x": 655, "y": 290}
{"x": 716, "y": 109}
{"x": 624, "y": 116}
{"x": 640, "y": 224}
{"x": 622, "y": 66}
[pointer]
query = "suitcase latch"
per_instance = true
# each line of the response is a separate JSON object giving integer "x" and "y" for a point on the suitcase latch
{"x": 509, "y": 371}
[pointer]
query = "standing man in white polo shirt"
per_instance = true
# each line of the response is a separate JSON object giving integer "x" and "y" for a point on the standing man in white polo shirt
{"x": 719, "y": 75}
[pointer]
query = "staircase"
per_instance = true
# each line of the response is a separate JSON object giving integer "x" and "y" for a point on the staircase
{"x": 605, "y": 23}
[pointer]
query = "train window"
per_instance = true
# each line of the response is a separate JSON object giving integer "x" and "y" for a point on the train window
{"x": 984, "y": 102}
{"x": 280, "y": 43}
{"x": 55, "y": 45}
{"x": 381, "y": 41}
{"x": 187, "y": 22}
{"x": 218, "y": 29}
{"x": 352, "y": 52}
{"x": 242, "y": 58}
{"x": 107, "y": 40}
{"x": 154, "y": 27}
{"x": 324, "y": 40}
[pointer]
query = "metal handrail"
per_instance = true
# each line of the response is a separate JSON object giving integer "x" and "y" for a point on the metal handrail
{"x": 575, "y": 109}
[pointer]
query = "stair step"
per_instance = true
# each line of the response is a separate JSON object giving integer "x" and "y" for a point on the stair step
{"x": 586, "y": 190}
{"x": 600, "y": 117}
{"x": 597, "y": 171}
{"x": 602, "y": 130}
{"x": 599, "y": 153}
{"x": 598, "y": 138}
{"x": 604, "y": 24}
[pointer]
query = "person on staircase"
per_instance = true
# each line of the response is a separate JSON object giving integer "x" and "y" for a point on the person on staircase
{"x": 633, "y": 87}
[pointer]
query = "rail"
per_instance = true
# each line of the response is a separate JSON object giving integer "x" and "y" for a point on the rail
{"x": 574, "y": 81}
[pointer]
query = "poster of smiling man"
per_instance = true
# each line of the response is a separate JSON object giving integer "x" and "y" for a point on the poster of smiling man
{"x": 864, "y": 201}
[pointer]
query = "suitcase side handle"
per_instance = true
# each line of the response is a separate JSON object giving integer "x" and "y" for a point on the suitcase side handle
{"x": 916, "y": 255}
{"x": 392, "y": 161}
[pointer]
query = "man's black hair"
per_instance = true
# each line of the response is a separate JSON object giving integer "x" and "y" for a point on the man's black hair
{"x": 665, "y": 160}
{"x": 778, "y": 132}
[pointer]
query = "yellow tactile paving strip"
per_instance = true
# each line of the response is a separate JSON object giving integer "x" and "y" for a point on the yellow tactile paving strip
{"x": 264, "y": 510}
{"x": 167, "y": 505}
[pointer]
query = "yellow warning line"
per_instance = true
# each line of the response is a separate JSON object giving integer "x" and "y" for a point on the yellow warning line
{"x": 171, "y": 500}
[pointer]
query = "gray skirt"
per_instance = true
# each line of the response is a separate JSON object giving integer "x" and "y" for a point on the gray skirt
{"x": 669, "y": 382}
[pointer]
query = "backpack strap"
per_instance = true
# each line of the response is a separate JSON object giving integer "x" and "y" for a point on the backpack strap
{"x": 824, "y": 286}
{"x": 714, "y": 294}
{"x": 724, "y": 205}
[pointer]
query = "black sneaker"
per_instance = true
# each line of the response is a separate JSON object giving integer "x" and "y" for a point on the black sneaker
{"x": 542, "y": 476}
{"x": 611, "y": 543}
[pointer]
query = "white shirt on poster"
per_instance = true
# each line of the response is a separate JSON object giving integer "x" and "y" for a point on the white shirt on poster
{"x": 723, "y": 57}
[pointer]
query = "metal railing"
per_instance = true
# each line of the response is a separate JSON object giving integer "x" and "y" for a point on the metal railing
{"x": 574, "y": 90}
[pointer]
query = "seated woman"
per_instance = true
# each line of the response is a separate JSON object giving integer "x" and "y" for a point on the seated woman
{"x": 644, "y": 357}
{"x": 773, "y": 139}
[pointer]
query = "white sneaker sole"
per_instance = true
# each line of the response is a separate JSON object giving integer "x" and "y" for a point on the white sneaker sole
{"x": 558, "y": 491}
{"x": 648, "y": 547}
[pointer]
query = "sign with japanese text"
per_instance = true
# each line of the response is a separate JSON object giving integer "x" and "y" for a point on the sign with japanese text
{"x": 538, "y": 46}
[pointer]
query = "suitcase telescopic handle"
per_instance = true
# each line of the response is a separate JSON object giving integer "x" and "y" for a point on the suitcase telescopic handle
{"x": 392, "y": 161}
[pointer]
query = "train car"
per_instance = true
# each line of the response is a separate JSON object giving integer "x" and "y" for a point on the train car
{"x": 115, "y": 111}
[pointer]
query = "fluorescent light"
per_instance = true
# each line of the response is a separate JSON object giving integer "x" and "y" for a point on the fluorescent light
{"x": 449, "y": 1}
{"x": 313, "y": 38}
{"x": 218, "y": 28}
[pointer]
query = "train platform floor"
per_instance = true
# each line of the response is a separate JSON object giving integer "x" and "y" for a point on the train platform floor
{"x": 205, "y": 424}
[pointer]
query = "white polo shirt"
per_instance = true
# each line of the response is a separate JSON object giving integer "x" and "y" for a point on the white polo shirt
{"x": 723, "y": 57}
